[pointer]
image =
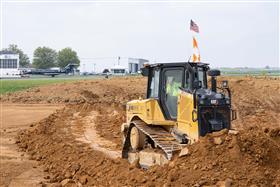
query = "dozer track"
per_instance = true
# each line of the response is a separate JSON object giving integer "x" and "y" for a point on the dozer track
{"x": 161, "y": 138}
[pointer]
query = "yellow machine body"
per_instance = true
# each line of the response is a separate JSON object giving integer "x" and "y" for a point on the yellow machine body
{"x": 186, "y": 114}
{"x": 178, "y": 109}
{"x": 149, "y": 111}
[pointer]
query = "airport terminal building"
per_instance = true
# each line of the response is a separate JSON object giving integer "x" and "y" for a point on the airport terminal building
{"x": 9, "y": 64}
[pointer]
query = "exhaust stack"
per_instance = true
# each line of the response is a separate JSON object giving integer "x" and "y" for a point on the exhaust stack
{"x": 213, "y": 74}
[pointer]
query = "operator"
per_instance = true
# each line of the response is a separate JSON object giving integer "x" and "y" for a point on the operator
{"x": 175, "y": 89}
{"x": 172, "y": 87}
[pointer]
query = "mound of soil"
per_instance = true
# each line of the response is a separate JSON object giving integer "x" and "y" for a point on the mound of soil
{"x": 250, "y": 157}
{"x": 114, "y": 91}
{"x": 256, "y": 100}
{"x": 243, "y": 159}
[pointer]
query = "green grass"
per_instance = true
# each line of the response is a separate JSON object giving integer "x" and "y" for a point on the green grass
{"x": 13, "y": 85}
{"x": 21, "y": 84}
{"x": 250, "y": 71}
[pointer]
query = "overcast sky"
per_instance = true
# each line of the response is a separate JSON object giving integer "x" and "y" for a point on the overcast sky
{"x": 232, "y": 35}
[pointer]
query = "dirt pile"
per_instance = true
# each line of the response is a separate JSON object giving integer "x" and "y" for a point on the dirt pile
{"x": 243, "y": 159}
{"x": 256, "y": 100}
{"x": 248, "y": 158}
{"x": 54, "y": 145}
{"x": 114, "y": 90}
{"x": 108, "y": 123}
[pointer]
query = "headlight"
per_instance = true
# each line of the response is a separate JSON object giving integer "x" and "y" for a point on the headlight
{"x": 214, "y": 101}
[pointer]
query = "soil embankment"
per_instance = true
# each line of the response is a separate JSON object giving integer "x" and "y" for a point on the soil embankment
{"x": 16, "y": 169}
{"x": 59, "y": 142}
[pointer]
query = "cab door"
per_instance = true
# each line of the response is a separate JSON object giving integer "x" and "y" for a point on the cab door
{"x": 172, "y": 81}
{"x": 187, "y": 116}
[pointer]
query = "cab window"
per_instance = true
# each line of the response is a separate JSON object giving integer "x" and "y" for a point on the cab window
{"x": 187, "y": 80}
{"x": 154, "y": 84}
{"x": 172, "y": 82}
{"x": 200, "y": 75}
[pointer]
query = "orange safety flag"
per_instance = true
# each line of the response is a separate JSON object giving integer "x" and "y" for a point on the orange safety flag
{"x": 194, "y": 43}
{"x": 196, "y": 55}
{"x": 196, "y": 58}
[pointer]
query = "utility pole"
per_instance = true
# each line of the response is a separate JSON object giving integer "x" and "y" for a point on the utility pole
{"x": 119, "y": 58}
{"x": 94, "y": 67}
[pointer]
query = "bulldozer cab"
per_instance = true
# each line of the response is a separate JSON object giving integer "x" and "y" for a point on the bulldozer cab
{"x": 167, "y": 79}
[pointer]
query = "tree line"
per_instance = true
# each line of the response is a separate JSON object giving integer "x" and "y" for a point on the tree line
{"x": 45, "y": 57}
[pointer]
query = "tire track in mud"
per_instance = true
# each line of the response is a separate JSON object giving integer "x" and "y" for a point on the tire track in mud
{"x": 84, "y": 129}
{"x": 73, "y": 161}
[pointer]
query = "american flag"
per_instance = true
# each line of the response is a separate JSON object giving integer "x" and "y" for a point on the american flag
{"x": 194, "y": 27}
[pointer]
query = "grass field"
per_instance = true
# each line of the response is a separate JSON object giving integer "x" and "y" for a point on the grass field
{"x": 12, "y": 85}
{"x": 21, "y": 84}
{"x": 250, "y": 71}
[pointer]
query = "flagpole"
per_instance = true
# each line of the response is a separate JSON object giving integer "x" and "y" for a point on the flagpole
{"x": 196, "y": 52}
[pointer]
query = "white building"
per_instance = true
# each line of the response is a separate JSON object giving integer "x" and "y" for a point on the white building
{"x": 135, "y": 64}
{"x": 9, "y": 64}
{"x": 118, "y": 70}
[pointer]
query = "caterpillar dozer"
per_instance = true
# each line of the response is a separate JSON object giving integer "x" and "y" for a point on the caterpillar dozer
{"x": 178, "y": 110}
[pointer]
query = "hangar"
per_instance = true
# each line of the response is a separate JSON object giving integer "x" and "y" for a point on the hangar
{"x": 9, "y": 64}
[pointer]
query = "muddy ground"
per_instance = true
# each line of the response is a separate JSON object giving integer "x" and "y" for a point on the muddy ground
{"x": 79, "y": 144}
{"x": 16, "y": 169}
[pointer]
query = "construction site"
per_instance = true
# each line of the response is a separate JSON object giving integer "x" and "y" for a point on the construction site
{"x": 56, "y": 135}
{"x": 140, "y": 93}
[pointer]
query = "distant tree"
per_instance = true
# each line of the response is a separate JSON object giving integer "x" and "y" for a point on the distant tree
{"x": 267, "y": 67}
{"x": 23, "y": 58}
{"x": 44, "y": 57}
{"x": 66, "y": 56}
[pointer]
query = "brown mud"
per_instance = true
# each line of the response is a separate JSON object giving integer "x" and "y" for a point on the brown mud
{"x": 64, "y": 148}
{"x": 16, "y": 169}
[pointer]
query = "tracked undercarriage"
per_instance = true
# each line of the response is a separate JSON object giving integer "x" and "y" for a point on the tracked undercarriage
{"x": 153, "y": 136}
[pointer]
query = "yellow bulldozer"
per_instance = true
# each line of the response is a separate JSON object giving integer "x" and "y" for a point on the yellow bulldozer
{"x": 178, "y": 110}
